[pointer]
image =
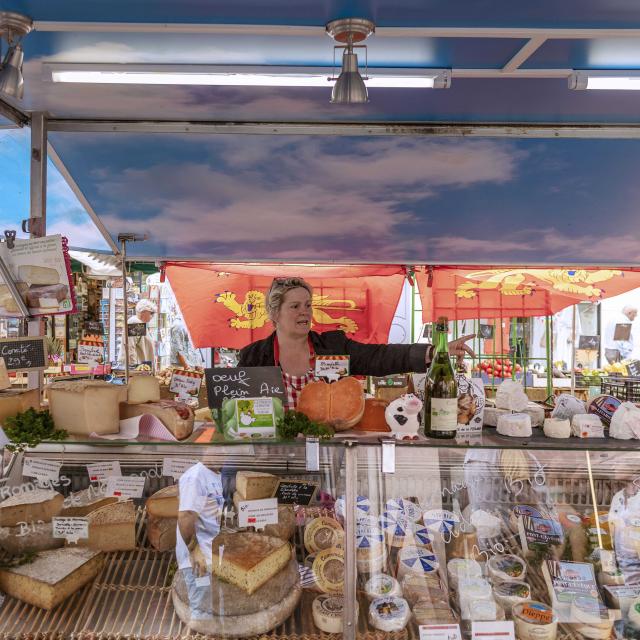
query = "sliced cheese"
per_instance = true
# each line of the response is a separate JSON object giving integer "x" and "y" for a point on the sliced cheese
{"x": 164, "y": 503}
{"x": 30, "y": 506}
{"x": 248, "y": 560}
{"x": 52, "y": 577}
{"x": 254, "y": 485}
{"x": 112, "y": 528}
{"x": 143, "y": 389}
{"x": 33, "y": 274}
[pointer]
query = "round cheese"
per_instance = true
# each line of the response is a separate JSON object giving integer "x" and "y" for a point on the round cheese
{"x": 322, "y": 533}
{"x": 327, "y": 613}
{"x": 408, "y": 509}
{"x": 363, "y": 506}
{"x": 534, "y": 621}
{"x": 487, "y": 525}
{"x": 417, "y": 560}
{"x": 373, "y": 564}
{"x": 440, "y": 521}
{"x": 516, "y": 425}
{"x": 462, "y": 569}
{"x": 369, "y": 538}
{"x": 397, "y": 528}
{"x": 422, "y": 536}
{"x": 29, "y": 537}
{"x": 382, "y": 585}
{"x": 507, "y": 568}
{"x": 328, "y": 568}
{"x": 508, "y": 594}
{"x": 556, "y": 428}
{"x": 591, "y": 617}
{"x": 389, "y": 614}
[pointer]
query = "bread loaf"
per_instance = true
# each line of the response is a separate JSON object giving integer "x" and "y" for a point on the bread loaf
{"x": 339, "y": 404}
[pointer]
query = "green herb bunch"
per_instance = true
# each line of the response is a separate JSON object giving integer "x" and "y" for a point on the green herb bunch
{"x": 294, "y": 422}
{"x": 30, "y": 428}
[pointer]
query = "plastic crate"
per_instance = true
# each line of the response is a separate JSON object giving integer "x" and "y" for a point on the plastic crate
{"x": 625, "y": 388}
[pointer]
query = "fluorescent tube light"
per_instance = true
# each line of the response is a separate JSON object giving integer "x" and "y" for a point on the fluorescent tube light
{"x": 605, "y": 80}
{"x": 234, "y": 75}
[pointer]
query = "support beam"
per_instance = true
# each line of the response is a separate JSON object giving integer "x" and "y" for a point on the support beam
{"x": 526, "y": 52}
{"x": 15, "y": 115}
{"x": 37, "y": 225}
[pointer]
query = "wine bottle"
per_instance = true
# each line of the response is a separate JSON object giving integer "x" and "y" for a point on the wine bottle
{"x": 441, "y": 388}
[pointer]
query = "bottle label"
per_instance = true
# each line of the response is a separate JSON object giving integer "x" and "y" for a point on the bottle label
{"x": 444, "y": 414}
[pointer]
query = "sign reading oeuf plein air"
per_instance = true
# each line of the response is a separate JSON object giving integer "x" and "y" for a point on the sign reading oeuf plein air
{"x": 243, "y": 382}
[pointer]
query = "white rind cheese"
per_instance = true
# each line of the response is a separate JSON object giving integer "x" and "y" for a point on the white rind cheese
{"x": 557, "y": 428}
{"x": 587, "y": 425}
{"x": 327, "y": 613}
{"x": 382, "y": 585}
{"x": 507, "y": 568}
{"x": 462, "y": 569}
{"x": 389, "y": 614}
{"x": 516, "y": 425}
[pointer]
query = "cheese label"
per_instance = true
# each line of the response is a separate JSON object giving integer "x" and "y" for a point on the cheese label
{"x": 332, "y": 368}
{"x": 71, "y": 529}
{"x": 40, "y": 469}
{"x": 493, "y": 630}
{"x": 186, "y": 382}
{"x": 396, "y": 524}
{"x": 99, "y": 471}
{"x": 440, "y": 632}
{"x": 418, "y": 560}
{"x": 440, "y": 520}
{"x": 125, "y": 487}
{"x": 255, "y": 417}
{"x": 368, "y": 533}
{"x": 444, "y": 414}
{"x": 175, "y": 467}
{"x": 258, "y": 513}
{"x": 390, "y": 608}
{"x": 408, "y": 509}
{"x": 537, "y": 613}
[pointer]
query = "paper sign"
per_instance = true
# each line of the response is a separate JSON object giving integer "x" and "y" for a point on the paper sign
{"x": 90, "y": 353}
{"x": 332, "y": 367}
{"x": 255, "y": 418}
{"x": 125, "y": 486}
{"x": 258, "y": 513}
{"x": 41, "y": 469}
{"x": 440, "y": 632}
{"x": 102, "y": 470}
{"x": 175, "y": 467}
{"x": 71, "y": 529}
{"x": 186, "y": 382}
{"x": 494, "y": 630}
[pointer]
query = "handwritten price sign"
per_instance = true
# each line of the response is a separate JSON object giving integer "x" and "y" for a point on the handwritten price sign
{"x": 186, "y": 382}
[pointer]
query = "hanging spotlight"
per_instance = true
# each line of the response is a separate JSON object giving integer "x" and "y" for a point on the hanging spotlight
{"x": 13, "y": 26}
{"x": 349, "y": 88}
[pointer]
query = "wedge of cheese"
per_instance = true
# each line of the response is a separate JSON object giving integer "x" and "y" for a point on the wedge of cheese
{"x": 29, "y": 537}
{"x": 178, "y": 417}
{"x": 164, "y": 503}
{"x": 248, "y": 560}
{"x": 33, "y": 274}
{"x": 82, "y": 407}
{"x": 112, "y": 528}
{"x": 162, "y": 532}
{"x": 14, "y": 402}
{"x": 30, "y": 506}
{"x": 80, "y": 503}
{"x": 254, "y": 485}
{"x": 52, "y": 577}
{"x": 143, "y": 389}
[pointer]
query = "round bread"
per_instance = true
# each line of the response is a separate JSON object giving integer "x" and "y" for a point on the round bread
{"x": 239, "y": 626}
{"x": 229, "y": 600}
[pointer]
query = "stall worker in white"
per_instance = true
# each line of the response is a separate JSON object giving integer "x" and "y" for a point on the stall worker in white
{"x": 142, "y": 349}
{"x": 199, "y": 516}
{"x": 623, "y": 348}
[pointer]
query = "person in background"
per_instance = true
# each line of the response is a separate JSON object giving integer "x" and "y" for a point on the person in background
{"x": 293, "y": 346}
{"x": 142, "y": 349}
{"x": 183, "y": 354}
{"x": 616, "y": 350}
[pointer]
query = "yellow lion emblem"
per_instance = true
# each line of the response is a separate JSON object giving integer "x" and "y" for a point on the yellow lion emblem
{"x": 513, "y": 282}
{"x": 252, "y": 312}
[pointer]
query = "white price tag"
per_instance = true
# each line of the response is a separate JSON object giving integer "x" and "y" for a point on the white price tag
{"x": 125, "y": 486}
{"x": 440, "y": 632}
{"x": 71, "y": 529}
{"x": 90, "y": 353}
{"x": 493, "y": 630}
{"x": 186, "y": 382}
{"x": 102, "y": 470}
{"x": 45, "y": 470}
{"x": 258, "y": 513}
{"x": 332, "y": 367}
{"x": 175, "y": 467}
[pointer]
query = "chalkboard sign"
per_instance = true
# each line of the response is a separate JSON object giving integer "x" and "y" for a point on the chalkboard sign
{"x": 136, "y": 329}
{"x": 93, "y": 328}
{"x": 24, "y": 354}
{"x": 589, "y": 342}
{"x": 296, "y": 491}
{"x": 243, "y": 382}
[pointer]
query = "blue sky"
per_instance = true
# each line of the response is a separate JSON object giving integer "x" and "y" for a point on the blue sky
{"x": 391, "y": 199}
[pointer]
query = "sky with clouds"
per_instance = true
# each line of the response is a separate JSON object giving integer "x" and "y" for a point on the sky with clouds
{"x": 389, "y": 199}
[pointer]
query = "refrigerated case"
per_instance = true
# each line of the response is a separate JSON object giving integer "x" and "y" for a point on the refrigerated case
{"x": 407, "y": 511}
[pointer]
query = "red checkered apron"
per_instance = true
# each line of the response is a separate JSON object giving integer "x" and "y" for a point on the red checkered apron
{"x": 294, "y": 384}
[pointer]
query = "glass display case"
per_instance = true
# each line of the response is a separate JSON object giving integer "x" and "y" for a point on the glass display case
{"x": 362, "y": 537}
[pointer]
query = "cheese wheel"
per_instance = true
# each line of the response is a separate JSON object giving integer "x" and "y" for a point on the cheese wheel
{"x": 322, "y": 533}
{"x": 382, "y": 585}
{"x": 515, "y": 425}
{"x": 417, "y": 560}
{"x": 556, "y": 428}
{"x": 30, "y": 506}
{"x": 389, "y": 614}
{"x": 143, "y": 388}
{"x": 535, "y": 621}
{"x": 398, "y": 528}
{"x": 440, "y": 521}
{"x": 587, "y": 426}
{"x": 328, "y": 613}
{"x": 591, "y": 618}
{"x": 507, "y": 568}
{"x": 410, "y": 510}
{"x": 508, "y": 594}
{"x": 363, "y": 507}
{"x": 372, "y": 565}
{"x": 462, "y": 569}
{"x": 328, "y": 569}
{"x": 369, "y": 538}
{"x": 29, "y": 537}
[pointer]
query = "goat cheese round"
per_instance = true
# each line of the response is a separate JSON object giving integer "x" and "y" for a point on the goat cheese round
{"x": 534, "y": 621}
{"x": 327, "y": 613}
{"x": 516, "y": 425}
{"x": 557, "y": 428}
{"x": 591, "y": 617}
{"x": 507, "y": 568}
{"x": 389, "y": 614}
{"x": 508, "y": 594}
{"x": 487, "y": 525}
{"x": 382, "y": 585}
{"x": 462, "y": 569}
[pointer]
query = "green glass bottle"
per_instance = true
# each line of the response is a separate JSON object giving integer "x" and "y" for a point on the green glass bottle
{"x": 441, "y": 388}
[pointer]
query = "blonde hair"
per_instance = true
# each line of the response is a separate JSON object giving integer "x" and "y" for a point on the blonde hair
{"x": 277, "y": 291}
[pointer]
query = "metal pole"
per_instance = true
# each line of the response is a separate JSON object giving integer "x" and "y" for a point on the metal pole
{"x": 413, "y": 312}
{"x": 125, "y": 335}
{"x": 549, "y": 330}
{"x": 573, "y": 350}
{"x": 350, "y": 572}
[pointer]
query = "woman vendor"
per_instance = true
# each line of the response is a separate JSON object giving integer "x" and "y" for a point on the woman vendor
{"x": 293, "y": 346}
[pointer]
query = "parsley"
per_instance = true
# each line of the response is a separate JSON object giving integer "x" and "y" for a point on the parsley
{"x": 295, "y": 422}
{"x": 30, "y": 428}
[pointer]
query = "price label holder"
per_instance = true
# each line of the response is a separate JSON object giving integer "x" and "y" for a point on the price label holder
{"x": 175, "y": 467}
{"x": 388, "y": 455}
{"x": 332, "y": 368}
{"x": 71, "y": 529}
{"x": 440, "y": 632}
{"x": 99, "y": 471}
{"x": 40, "y": 469}
{"x": 312, "y": 451}
{"x": 258, "y": 513}
{"x": 124, "y": 487}
{"x": 494, "y": 630}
